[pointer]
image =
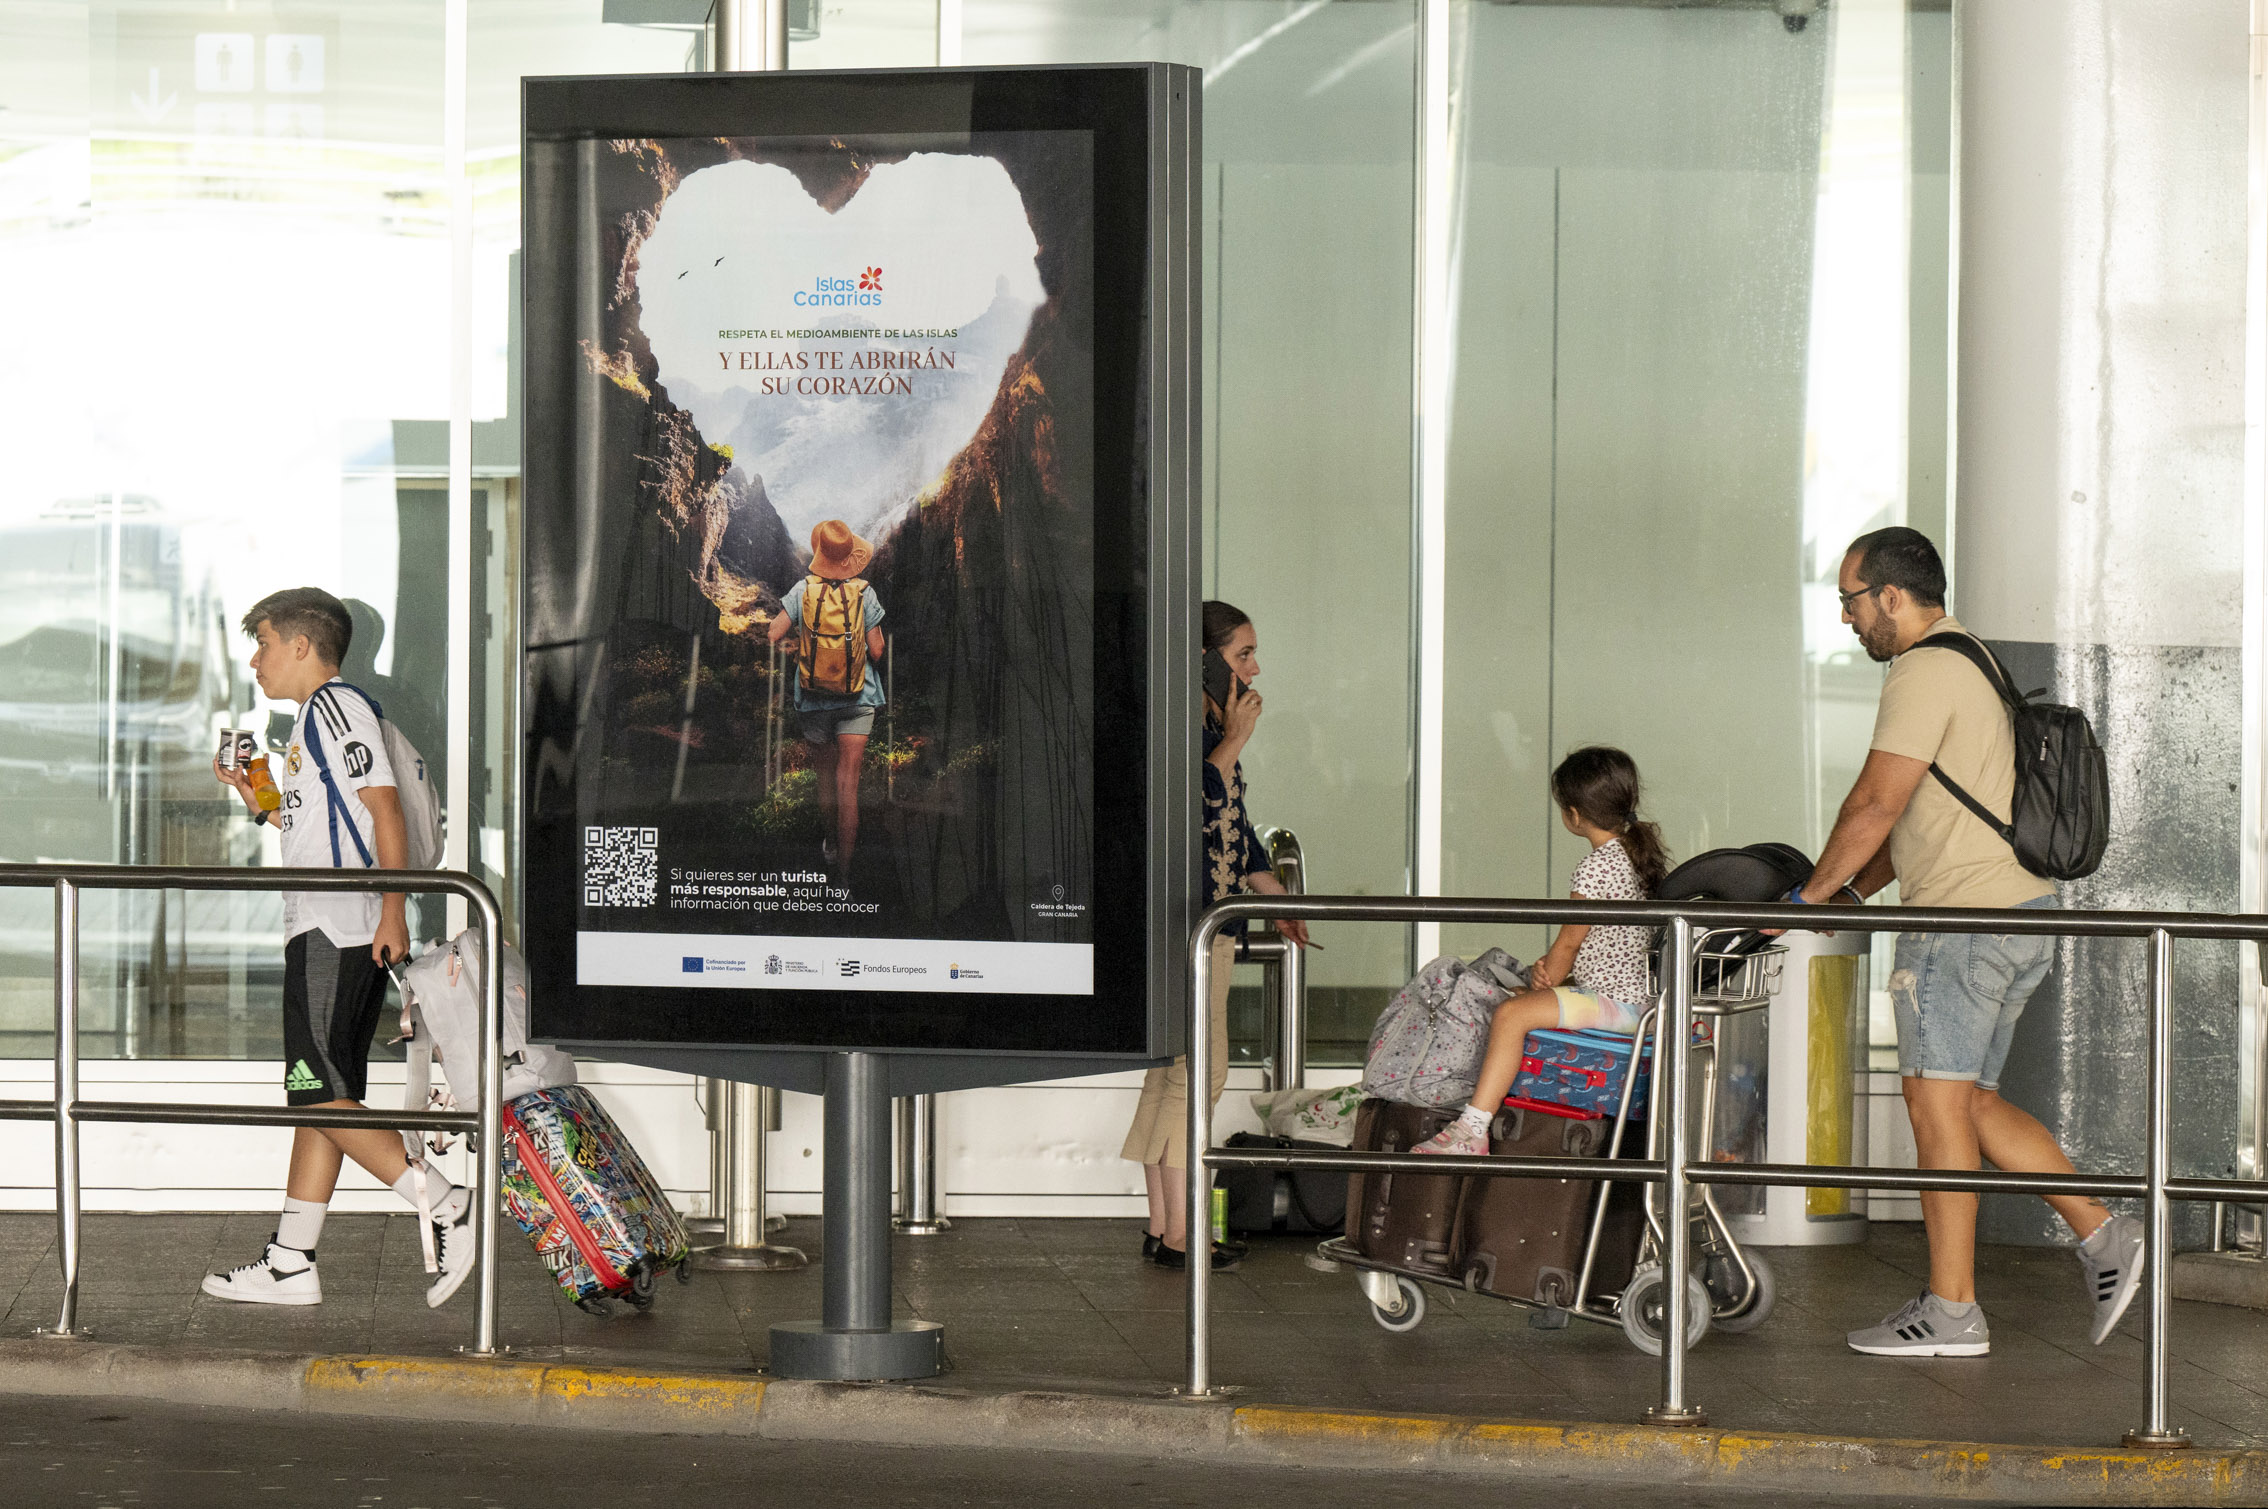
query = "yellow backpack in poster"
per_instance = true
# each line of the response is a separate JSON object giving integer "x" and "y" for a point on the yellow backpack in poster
{"x": 830, "y": 648}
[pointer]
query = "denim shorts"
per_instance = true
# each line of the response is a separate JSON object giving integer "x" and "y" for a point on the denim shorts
{"x": 1957, "y": 997}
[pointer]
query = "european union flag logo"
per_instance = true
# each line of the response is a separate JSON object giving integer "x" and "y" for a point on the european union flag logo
{"x": 692, "y": 964}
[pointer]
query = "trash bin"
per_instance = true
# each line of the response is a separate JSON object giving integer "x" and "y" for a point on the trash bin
{"x": 1791, "y": 1080}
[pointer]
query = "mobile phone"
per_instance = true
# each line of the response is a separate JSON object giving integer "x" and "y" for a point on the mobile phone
{"x": 1219, "y": 678}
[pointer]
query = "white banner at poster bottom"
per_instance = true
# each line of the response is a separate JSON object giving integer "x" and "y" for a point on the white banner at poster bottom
{"x": 707, "y": 961}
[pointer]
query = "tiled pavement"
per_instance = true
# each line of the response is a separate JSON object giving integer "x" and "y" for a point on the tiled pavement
{"x": 1068, "y": 1305}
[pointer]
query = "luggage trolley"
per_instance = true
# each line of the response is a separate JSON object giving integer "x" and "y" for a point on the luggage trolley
{"x": 1729, "y": 1287}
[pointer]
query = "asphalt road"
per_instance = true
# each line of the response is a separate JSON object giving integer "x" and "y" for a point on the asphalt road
{"x": 132, "y": 1455}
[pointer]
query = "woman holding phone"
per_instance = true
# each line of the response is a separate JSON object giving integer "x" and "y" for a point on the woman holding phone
{"x": 1234, "y": 863}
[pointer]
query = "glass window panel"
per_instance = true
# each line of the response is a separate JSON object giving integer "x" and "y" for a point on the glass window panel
{"x": 1700, "y": 308}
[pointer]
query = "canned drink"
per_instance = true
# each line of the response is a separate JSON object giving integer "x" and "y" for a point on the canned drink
{"x": 247, "y": 748}
{"x": 228, "y": 757}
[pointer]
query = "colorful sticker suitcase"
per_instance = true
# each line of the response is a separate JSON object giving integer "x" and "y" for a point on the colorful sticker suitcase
{"x": 1582, "y": 1070}
{"x": 586, "y": 1199}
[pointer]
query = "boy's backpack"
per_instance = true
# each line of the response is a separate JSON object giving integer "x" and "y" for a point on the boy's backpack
{"x": 2059, "y": 817}
{"x": 830, "y": 650}
{"x": 441, "y": 1005}
{"x": 441, "y": 1010}
{"x": 1429, "y": 1042}
{"x": 421, "y": 805}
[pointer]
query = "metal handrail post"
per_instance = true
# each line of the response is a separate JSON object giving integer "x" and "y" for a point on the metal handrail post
{"x": 2157, "y": 1249}
{"x": 1289, "y": 861}
{"x": 68, "y": 1195}
{"x": 490, "y": 1153}
{"x": 921, "y": 1204}
{"x": 1672, "y": 1055}
{"x": 1200, "y": 1213}
{"x": 1291, "y": 1018}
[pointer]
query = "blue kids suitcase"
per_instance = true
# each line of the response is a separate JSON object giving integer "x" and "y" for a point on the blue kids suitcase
{"x": 1582, "y": 1070}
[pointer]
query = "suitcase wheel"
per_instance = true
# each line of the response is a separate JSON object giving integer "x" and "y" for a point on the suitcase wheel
{"x": 1641, "y": 1309}
{"x": 595, "y": 1304}
{"x": 641, "y": 1290}
{"x": 1407, "y": 1310}
{"x": 685, "y": 1270}
{"x": 1736, "y": 1310}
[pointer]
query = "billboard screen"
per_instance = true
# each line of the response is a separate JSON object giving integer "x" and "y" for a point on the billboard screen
{"x": 840, "y": 524}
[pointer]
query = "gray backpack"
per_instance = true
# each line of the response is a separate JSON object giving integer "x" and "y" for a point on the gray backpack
{"x": 1429, "y": 1042}
{"x": 441, "y": 1010}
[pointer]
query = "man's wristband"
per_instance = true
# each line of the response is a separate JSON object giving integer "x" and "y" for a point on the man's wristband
{"x": 259, "y": 815}
{"x": 1795, "y": 897}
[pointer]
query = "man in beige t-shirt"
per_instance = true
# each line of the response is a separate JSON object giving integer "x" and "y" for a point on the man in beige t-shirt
{"x": 1957, "y": 996}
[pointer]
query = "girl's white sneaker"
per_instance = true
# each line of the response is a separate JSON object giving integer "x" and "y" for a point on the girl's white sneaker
{"x": 282, "y": 1276}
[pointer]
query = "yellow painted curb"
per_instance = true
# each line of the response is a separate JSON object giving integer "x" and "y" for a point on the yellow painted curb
{"x": 1768, "y": 1459}
{"x": 700, "y": 1400}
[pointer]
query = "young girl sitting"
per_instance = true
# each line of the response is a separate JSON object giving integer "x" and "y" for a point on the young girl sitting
{"x": 1591, "y": 976}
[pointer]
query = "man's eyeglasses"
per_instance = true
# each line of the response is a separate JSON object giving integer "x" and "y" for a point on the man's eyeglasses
{"x": 1852, "y": 597}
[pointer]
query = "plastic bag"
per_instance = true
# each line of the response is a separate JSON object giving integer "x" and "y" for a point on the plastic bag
{"x": 1310, "y": 1115}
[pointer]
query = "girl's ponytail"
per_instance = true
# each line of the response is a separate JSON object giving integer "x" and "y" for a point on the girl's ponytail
{"x": 1601, "y": 784}
{"x": 1649, "y": 856}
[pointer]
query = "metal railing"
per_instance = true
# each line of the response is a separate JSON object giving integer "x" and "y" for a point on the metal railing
{"x": 1285, "y": 966}
{"x": 67, "y": 1110}
{"x": 1677, "y": 1170}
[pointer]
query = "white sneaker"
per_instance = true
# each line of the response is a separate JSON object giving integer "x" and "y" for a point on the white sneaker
{"x": 283, "y": 1276}
{"x": 453, "y": 1242}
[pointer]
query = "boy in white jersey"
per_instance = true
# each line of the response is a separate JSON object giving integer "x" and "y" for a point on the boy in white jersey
{"x": 341, "y": 810}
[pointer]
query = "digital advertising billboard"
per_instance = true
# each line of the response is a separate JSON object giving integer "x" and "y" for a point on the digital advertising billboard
{"x": 858, "y": 541}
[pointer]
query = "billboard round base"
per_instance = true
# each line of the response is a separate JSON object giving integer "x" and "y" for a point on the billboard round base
{"x": 808, "y": 1349}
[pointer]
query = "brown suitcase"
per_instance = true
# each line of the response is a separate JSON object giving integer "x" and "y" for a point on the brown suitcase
{"x": 1523, "y": 1238}
{"x": 1405, "y": 1221}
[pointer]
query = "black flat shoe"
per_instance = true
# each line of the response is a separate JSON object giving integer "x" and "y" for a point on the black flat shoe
{"x": 1174, "y": 1260}
{"x": 1151, "y": 1242}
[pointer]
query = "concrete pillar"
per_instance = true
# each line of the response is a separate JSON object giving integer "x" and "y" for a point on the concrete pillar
{"x": 2099, "y": 503}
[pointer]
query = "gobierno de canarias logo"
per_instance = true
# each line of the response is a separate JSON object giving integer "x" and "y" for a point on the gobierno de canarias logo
{"x": 864, "y": 291}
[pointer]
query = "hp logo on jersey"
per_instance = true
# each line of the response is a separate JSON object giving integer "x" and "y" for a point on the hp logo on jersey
{"x": 358, "y": 760}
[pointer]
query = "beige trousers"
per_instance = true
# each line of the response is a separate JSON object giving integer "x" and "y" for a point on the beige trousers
{"x": 1160, "y": 1133}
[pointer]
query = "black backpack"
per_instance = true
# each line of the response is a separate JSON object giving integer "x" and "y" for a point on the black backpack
{"x": 2059, "y": 819}
{"x": 1753, "y": 873}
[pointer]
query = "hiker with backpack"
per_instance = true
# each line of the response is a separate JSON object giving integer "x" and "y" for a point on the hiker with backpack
{"x": 1234, "y": 862}
{"x": 343, "y": 807}
{"x": 836, "y": 621}
{"x": 1927, "y": 812}
{"x": 1591, "y": 976}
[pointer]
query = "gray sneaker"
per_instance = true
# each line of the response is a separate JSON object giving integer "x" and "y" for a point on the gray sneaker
{"x": 1927, "y": 1327}
{"x": 2112, "y": 1261}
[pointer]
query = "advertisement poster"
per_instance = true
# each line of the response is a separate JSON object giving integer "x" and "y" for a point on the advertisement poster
{"x": 839, "y": 726}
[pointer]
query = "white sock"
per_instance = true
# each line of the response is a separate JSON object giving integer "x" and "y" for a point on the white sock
{"x": 2098, "y": 1242}
{"x": 448, "y": 1200}
{"x": 301, "y": 1224}
{"x": 1475, "y": 1118}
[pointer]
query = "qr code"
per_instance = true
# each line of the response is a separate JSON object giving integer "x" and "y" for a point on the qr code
{"x": 620, "y": 866}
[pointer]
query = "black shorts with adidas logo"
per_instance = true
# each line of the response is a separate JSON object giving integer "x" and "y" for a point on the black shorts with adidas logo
{"x": 332, "y": 997}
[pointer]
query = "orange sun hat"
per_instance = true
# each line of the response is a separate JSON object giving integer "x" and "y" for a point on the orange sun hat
{"x": 836, "y": 553}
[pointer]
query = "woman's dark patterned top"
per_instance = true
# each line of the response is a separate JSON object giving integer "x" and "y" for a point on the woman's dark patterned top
{"x": 1232, "y": 849}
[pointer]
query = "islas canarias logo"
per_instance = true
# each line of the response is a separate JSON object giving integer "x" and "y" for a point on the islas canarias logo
{"x": 864, "y": 291}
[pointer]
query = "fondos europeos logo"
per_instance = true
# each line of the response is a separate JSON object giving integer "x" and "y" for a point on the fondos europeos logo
{"x": 863, "y": 291}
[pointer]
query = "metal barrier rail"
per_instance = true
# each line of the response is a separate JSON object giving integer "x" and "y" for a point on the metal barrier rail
{"x": 67, "y": 1110}
{"x": 1286, "y": 964}
{"x": 1676, "y": 1169}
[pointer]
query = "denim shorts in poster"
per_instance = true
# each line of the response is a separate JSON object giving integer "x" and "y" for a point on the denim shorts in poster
{"x": 838, "y": 726}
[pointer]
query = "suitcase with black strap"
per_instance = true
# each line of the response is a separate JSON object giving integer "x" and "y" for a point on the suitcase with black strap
{"x": 1523, "y": 1238}
{"x": 1403, "y": 1221}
